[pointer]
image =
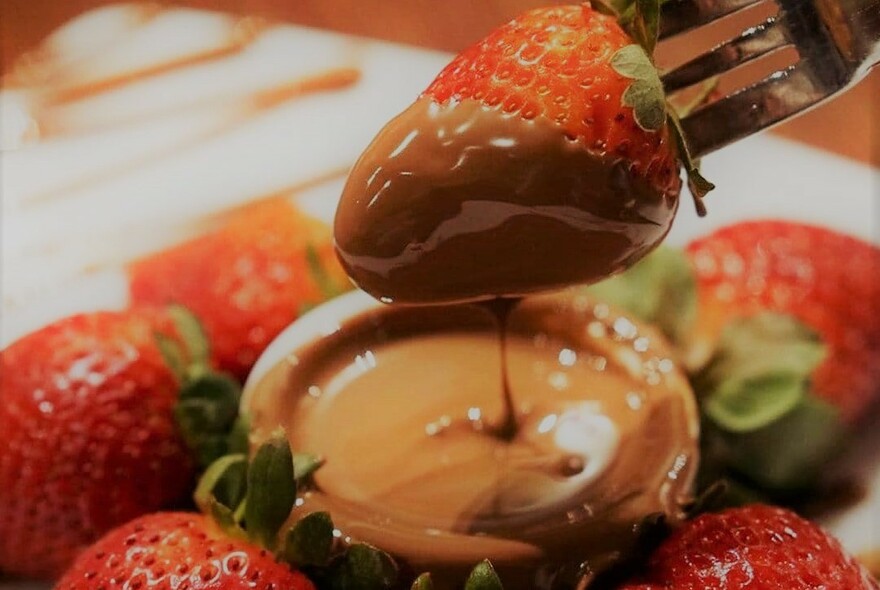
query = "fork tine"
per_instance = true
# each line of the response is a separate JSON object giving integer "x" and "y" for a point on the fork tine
{"x": 680, "y": 16}
{"x": 752, "y": 44}
{"x": 754, "y": 108}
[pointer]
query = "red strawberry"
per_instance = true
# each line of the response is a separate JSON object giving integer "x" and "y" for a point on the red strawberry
{"x": 752, "y": 548}
{"x": 555, "y": 63}
{"x": 247, "y": 281}
{"x": 828, "y": 281}
{"x": 243, "y": 539}
{"x": 172, "y": 551}
{"x": 780, "y": 322}
{"x": 791, "y": 313}
{"x": 89, "y": 437}
{"x": 105, "y": 416}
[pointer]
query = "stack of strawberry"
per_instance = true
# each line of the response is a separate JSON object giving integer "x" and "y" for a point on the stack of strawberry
{"x": 108, "y": 417}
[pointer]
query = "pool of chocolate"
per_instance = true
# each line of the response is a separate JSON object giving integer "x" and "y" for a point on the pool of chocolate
{"x": 402, "y": 403}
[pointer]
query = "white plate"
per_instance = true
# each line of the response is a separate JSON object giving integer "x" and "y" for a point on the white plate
{"x": 301, "y": 140}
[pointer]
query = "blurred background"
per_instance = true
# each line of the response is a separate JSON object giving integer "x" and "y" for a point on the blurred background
{"x": 850, "y": 126}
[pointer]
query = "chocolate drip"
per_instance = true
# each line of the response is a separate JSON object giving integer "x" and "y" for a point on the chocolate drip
{"x": 501, "y": 309}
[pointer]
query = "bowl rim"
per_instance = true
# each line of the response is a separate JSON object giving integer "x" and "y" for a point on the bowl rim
{"x": 320, "y": 322}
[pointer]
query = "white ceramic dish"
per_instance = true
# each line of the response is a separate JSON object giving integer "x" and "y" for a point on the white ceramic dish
{"x": 759, "y": 177}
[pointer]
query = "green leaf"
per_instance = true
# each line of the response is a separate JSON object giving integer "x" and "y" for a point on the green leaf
{"x": 172, "y": 354}
{"x": 206, "y": 412}
{"x": 191, "y": 332}
{"x": 225, "y": 519}
{"x": 238, "y": 440}
{"x": 423, "y": 582}
{"x": 760, "y": 371}
{"x": 756, "y": 395}
{"x": 363, "y": 567}
{"x": 748, "y": 404}
{"x": 785, "y": 457}
{"x": 271, "y": 490}
{"x": 309, "y": 541}
{"x": 483, "y": 577}
{"x": 224, "y": 482}
{"x": 611, "y": 7}
{"x": 645, "y": 95}
{"x": 305, "y": 464}
{"x": 698, "y": 186}
{"x": 660, "y": 289}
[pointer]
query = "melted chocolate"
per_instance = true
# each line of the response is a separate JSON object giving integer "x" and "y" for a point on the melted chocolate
{"x": 501, "y": 310}
{"x": 606, "y": 435}
{"x": 461, "y": 202}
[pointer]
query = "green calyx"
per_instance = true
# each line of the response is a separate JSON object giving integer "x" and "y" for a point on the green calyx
{"x": 363, "y": 567}
{"x": 207, "y": 407}
{"x": 483, "y": 577}
{"x": 423, "y": 582}
{"x": 310, "y": 541}
{"x": 645, "y": 95}
{"x": 271, "y": 490}
{"x": 253, "y": 498}
{"x": 756, "y": 394}
{"x": 760, "y": 371}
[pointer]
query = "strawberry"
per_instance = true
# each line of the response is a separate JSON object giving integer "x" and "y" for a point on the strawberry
{"x": 543, "y": 156}
{"x": 173, "y": 550}
{"x": 756, "y": 547}
{"x": 558, "y": 63}
{"x": 246, "y": 281}
{"x": 89, "y": 411}
{"x": 780, "y": 324}
{"x": 828, "y": 281}
{"x": 242, "y": 539}
{"x": 791, "y": 314}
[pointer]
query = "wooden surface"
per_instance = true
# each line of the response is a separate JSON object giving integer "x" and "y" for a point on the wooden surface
{"x": 850, "y": 125}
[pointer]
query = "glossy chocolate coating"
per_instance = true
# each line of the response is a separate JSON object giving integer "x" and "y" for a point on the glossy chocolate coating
{"x": 462, "y": 202}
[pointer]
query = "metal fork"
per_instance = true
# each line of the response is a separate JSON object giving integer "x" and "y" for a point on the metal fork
{"x": 837, "y": 41}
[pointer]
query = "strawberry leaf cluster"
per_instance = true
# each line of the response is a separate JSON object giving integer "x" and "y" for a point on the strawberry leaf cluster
{"x": 755, "y": 391}
{"x": 652, "y": 111}
{"x": 207, "y": 409}
{"x": 253, "y": 498}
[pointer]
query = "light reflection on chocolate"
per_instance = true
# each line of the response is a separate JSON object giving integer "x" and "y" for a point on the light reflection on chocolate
{"x": 461, "y": 202}
{"x": 400, "y": 401}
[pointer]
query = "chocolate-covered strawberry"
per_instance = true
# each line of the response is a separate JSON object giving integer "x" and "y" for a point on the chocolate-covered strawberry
{"x": 104, "y": 417}
{"x": 542, "y": 156}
